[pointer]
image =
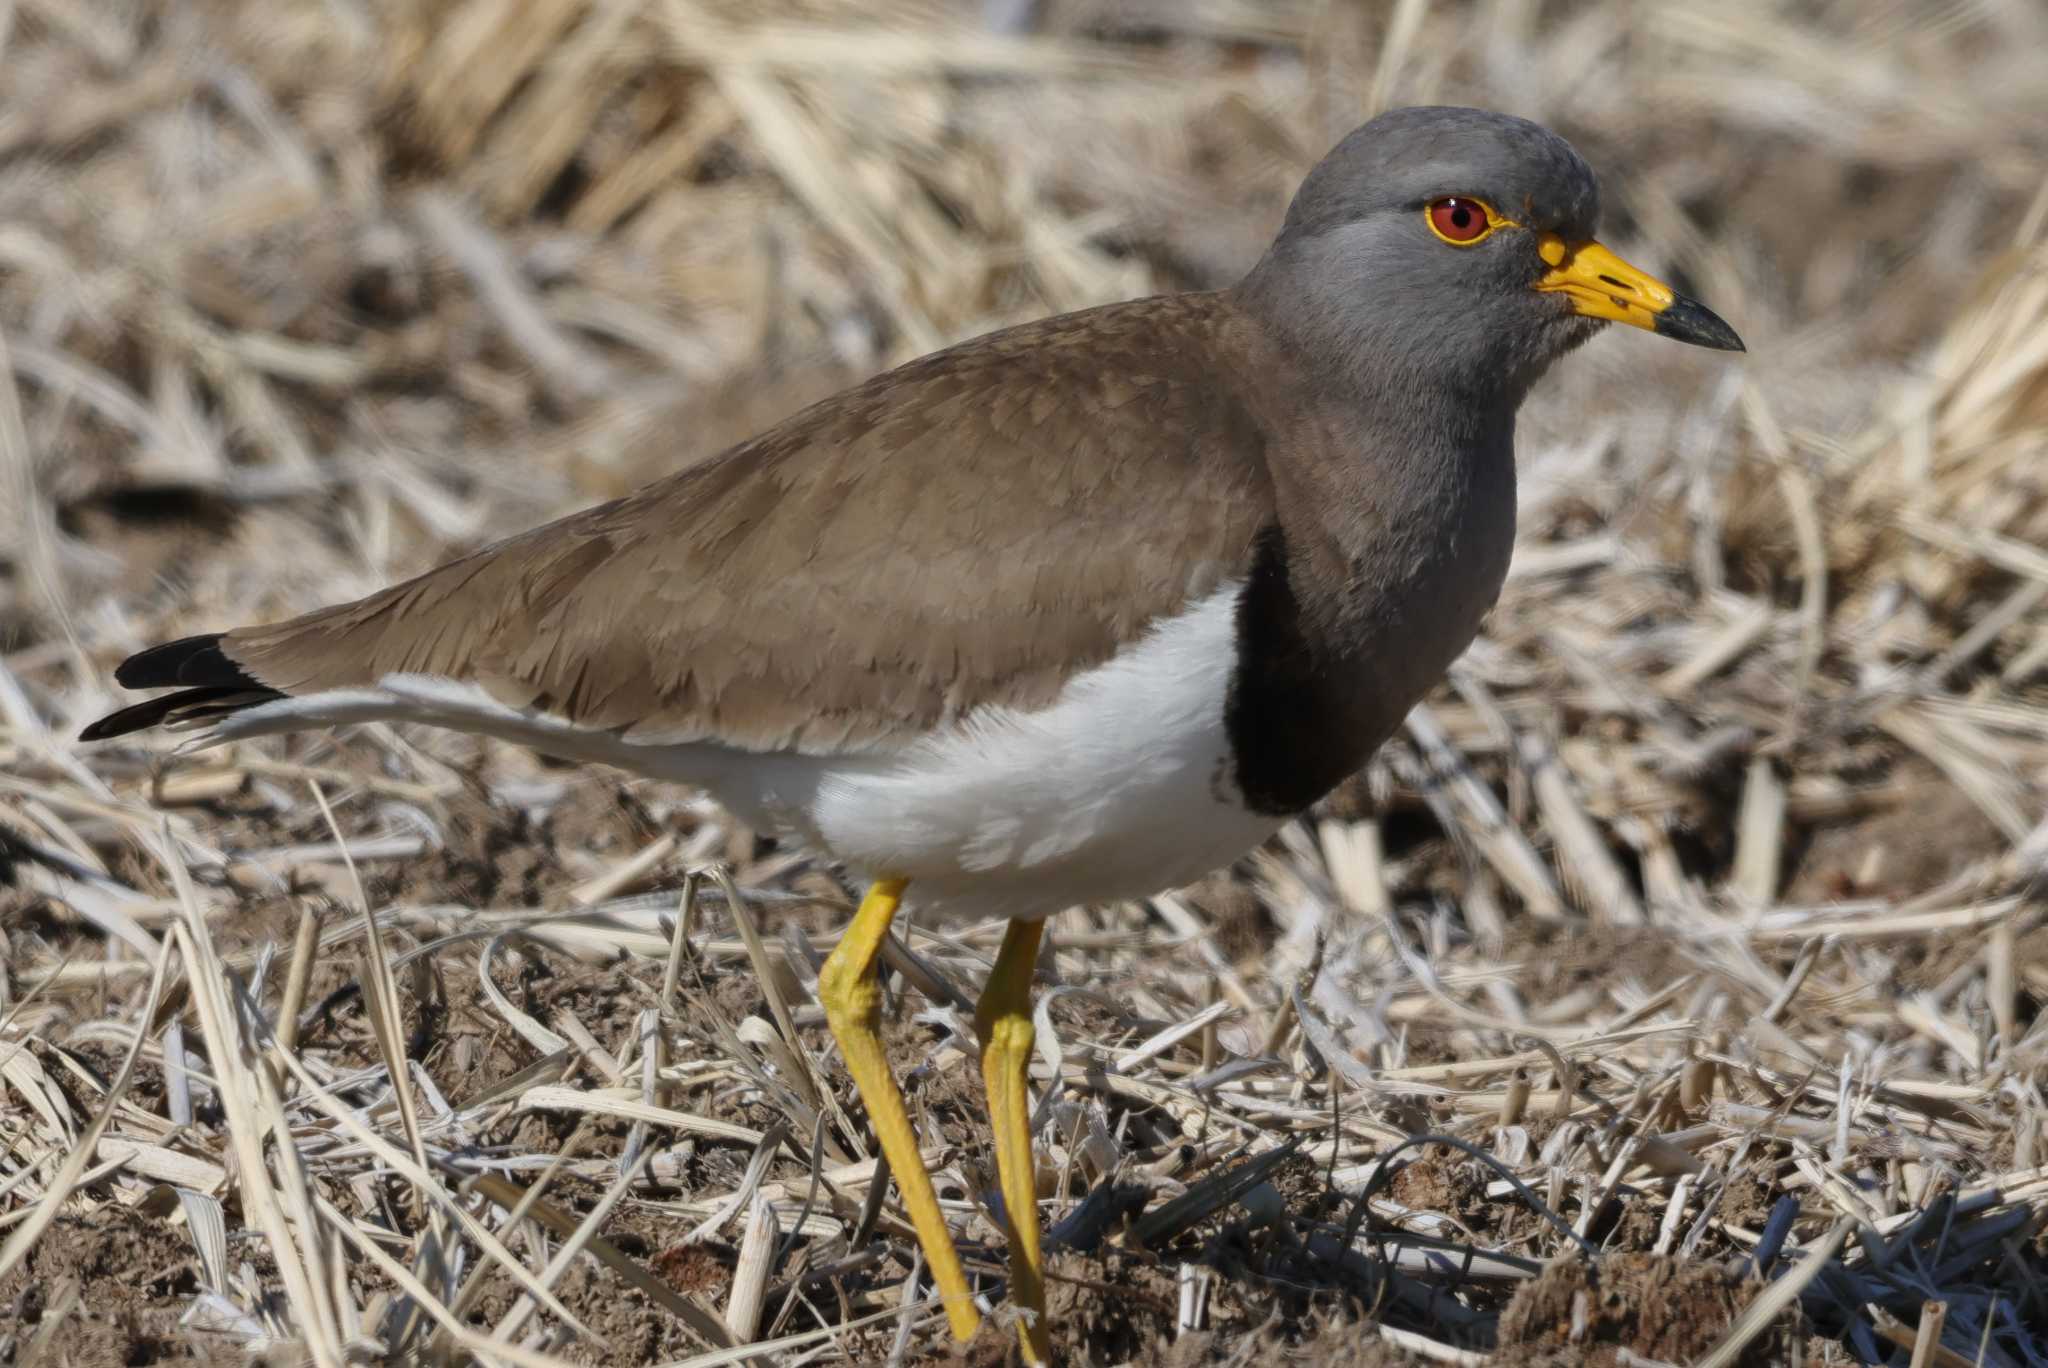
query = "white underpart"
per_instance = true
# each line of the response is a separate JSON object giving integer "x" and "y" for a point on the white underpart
{"x": 1120, "y": 788}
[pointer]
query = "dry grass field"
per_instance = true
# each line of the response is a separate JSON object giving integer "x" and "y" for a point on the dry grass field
{"x": 1695, "y": 920}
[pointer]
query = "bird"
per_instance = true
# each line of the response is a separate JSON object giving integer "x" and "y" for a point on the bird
{"x": 1078, "y": 610}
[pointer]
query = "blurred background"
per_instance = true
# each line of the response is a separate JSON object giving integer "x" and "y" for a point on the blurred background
{"x": 300, "y": 296}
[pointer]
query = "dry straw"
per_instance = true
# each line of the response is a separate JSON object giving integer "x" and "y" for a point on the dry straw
{"x": 1700, "y": 908}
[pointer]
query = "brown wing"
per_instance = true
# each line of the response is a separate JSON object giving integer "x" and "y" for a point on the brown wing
{"x": 968, "y": 529}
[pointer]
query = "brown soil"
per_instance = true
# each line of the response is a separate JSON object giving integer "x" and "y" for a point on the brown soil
{"x": 695, "y": 1269}
{"x": 105, "y": 1288}
{"x": 1917, "y": 845}
{"x": 1655, "y": 1307}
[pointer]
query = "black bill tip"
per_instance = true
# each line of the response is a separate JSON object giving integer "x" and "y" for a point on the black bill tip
{"x": 1688, "y": 320}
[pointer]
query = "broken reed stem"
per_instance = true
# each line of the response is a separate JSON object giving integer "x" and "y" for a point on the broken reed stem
{"x": 298, "y": 976}
{"x": 679, "y": 937}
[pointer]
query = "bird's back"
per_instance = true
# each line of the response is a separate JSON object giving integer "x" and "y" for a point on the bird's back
{"x": 970, "y": 529}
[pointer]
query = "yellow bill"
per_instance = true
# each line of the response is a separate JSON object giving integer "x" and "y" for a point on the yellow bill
{"x": 1600, "y": 284}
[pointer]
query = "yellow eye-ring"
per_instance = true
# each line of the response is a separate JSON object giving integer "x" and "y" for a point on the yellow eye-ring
{"x": 1461, "y": 220}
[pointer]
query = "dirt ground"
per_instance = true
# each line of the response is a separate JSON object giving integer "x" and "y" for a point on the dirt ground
{"x": 1688, "y": 941}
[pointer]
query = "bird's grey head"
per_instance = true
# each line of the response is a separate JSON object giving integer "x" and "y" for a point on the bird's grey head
{"x": 1454, "y": 248}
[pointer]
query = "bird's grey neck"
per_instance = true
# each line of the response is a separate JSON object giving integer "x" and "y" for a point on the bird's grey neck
{"x": 1382, "y": 360}
{"x": 1407, "y": 433}
{"x": 1394, "y": 524}
{"x": 1401, "y": 507}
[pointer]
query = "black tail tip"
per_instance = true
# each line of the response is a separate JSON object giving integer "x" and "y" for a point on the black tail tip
{"x": 191, "y": 662}
{"x": 138, "y": 717}
{"x": 196, "y": 664}
{"x": 106, "y": 728}
{"x": 185, "y": 707}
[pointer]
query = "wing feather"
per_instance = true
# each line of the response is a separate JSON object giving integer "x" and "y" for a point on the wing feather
{"x": 969, "y": 529}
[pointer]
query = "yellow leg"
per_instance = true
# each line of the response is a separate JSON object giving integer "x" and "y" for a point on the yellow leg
{"x": 1003, "y": 1018}
{"x": 853, "y": 1006}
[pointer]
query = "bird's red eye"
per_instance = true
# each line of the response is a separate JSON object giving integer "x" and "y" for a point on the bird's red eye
{"x": 1459, "y": 220}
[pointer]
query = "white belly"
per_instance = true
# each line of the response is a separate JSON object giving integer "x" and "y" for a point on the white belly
{"x": 1121, "y": 788}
